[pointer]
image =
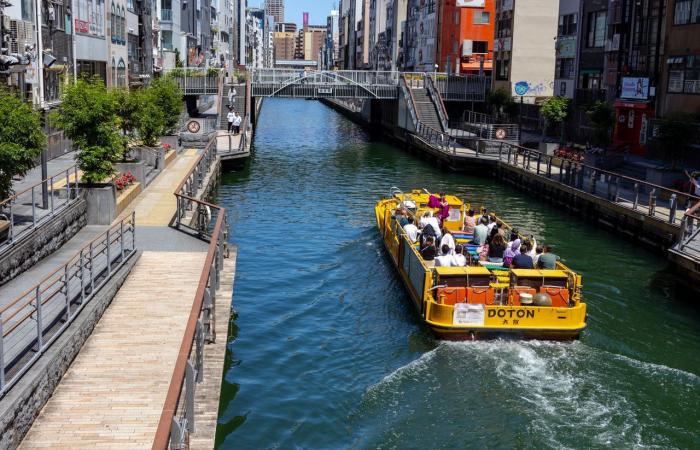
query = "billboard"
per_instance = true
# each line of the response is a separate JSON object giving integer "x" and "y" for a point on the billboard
{"x": 635, "y": 88}
{"x": 306, "y": 19}
{"x": 471, "y": 3}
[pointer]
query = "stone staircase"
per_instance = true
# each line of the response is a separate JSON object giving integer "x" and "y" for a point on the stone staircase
{"x": 238, "y": 105}
{"x": 426, "y": 109}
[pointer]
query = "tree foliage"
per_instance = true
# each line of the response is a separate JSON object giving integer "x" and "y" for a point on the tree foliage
{"x": 500, "y": 101}
{"x": 88, "y": 116}
{"x": 602, "y": 116}
{"x": 150, "y": 119}
{"x": 167, "y": 95}
{"x": 127, "y": 105}
{"x": 555, "y": 110}
{"x": 21, "y": 140}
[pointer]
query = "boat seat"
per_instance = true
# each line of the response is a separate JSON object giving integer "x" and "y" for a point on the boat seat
{"x": 559, "y": 295}
{"x": 515, "y": 291}
{"x": 480, "y": 295}
{"x": 451, "y": 295}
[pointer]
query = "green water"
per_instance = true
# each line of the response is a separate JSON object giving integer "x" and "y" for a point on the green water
{"x": 327, "y": 352}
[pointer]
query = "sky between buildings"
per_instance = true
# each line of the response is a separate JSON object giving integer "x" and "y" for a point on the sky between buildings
{"x": 318, "y": 10}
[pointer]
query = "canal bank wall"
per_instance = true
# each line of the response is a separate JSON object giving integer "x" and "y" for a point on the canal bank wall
{"x": 636, "y": 224}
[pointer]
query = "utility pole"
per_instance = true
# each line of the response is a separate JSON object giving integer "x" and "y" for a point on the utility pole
{"x": 42, "y": 103}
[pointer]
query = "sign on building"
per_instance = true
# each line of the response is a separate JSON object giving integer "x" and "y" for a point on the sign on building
{"x": 635, "y": 88}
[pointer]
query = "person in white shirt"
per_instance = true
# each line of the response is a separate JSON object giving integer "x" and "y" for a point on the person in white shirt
{"x": 237, "y": 123}
{"x": 445, "y": 259}
{"x": 429, "y": 219}
{"x": 448, "y": 240}
{"x": 411, "y": 230}
{"x": 230, "y": 117}
{"x": 231, "y": 95}
{"x": 458, "y": 258}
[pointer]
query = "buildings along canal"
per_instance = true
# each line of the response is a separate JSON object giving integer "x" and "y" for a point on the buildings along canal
{"x": 326, "y": 350}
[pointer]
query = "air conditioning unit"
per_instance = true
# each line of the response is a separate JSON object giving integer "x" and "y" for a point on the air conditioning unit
{"x": 21, "y": 35}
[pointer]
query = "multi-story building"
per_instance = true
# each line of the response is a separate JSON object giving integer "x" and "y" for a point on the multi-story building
{"x": 275, "y": 8}
{"x": 679, "y": 88}
{"x": 285, "y": 27}
{"x": 566, "y": 68}
{"x": 314, "y": 38}
{"x": 378, "y": 47}
{"x": 395, "y": 17}
{"x": 420, "y": 39}
{"x": 329, "y": 51}
{"x": 362, "y": 37}
{"x": 90, "y": 45}
{"x": 222, "y": 32}
{"x": 476, "y": 30}
{"x": 593, "y": 43}
{"x": 284, "y": 44}
{"x": 259, "y": 39}
{"x": 140, "y": 56}
{"x": 116, "y": 39}
{"x": 344, "y": 33}
{"x": 524, "y": 48}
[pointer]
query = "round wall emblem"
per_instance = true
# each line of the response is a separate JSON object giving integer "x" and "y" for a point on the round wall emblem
{"x": 500, "y": 133}
{"x": 193, "y": 126}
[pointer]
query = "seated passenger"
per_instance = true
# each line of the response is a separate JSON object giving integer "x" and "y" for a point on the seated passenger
{"x": 469, "y": 222}
{"x": 447, "y": 239}
{"x": 481, "y": 232}
{"x": 445, "y": 259}
{"x": 535, "y": 259}
{"x": 428, "y": 251}
{"x": 458, "y": 258}
{"x": 492, "y": 223}
{"x": 403, "y": 219}
{"x": 513, "y": 236}
{"x": 496, "y": 249}
{"x": 511, "y": 252}
{"x": 547, "y": 259}
{"x": 429, "y": 219}
{"x": 411, "y": 230}
{"x": 522, "y": 260}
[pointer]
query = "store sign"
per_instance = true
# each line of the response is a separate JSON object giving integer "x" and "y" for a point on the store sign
{"x": 82, "y": 26}
{"x": 630, "y": 119}
{"x": 471, "y": 3}
{"x": 566, "y": 47}
{"x": 636, "y": 88}
{"x": 643, "y": 129}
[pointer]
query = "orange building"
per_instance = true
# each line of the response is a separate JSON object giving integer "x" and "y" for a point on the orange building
{"x": 466, "y": 29}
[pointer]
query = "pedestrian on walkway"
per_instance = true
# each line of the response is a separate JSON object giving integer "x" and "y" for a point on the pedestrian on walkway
{"x": 231, "y": 96}
{"x": 230, "y": 117}
{"x": 237, "y": 123}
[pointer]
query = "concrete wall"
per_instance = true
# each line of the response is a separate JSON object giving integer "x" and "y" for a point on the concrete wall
{"x": 101, "y": 205}
{"x": 22, "y": 404}
{"x": 46, "y": 239}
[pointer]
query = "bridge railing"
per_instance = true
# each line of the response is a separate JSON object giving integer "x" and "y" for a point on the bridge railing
{"x": 436, "y": 138}
{"x": 33, "y": 321}
{"x": 21, "y": 213}
{"x": 196, "y": 80}
{"x": 690, "y": 231}
{"x": 409, "y": 101}
{"x": 437, "y": 100}
{"x": 463, "y": 88}
{"x": 359, "y": 77}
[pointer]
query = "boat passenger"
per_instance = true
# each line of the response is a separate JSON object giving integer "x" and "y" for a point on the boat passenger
{"x": 433, "y": 201}
{"x": 444, "y": 211}
{"x": 492, "y": 223}
{"x": 458, "y": 258}
{"x": 411, "y": 230}
{"x": 429, "y": 219}
{"x": 535, "y": 259}
{"x": 481, "y": 232}
{"x": 496, "y": 249}
{"x": 469, "y": 222}
{"x": 547, "y": 259}
{"x": 445, "y": 258}
{"x": 428, "y": 252}
{"x": 513, "y": 236}
{"x": 511, "y": 252}
{"x": 403, "y": 218}
{"x": 449, "y": 240}
{"x": 522, "y": 260}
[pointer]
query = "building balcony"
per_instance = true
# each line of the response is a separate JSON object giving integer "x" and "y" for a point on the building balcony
{"x": 166, "y": 15}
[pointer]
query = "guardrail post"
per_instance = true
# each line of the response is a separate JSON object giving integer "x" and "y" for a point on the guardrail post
{"x": 652, "y": 202}
{"x": 561, "y": 171}
{"x": 133, "y": 230}
{"x": 33, "y": 208}
{"x": 51, "y": 184}
{"x": 75, "y": 183}
{"x": 82, "y": 278}
{"x": 681, "y": 237}
{"x": 189, "y": 396}
{"x": 539, "y": 158}
{"x": 121, "y": 238}
{"x": 66, "y": 275}
{"x": 2, "y": 358}
{"x": 92, "y": 270}
{"x": 37, "y": 306}
{"x": 109, "y": 256}
{"x": 593, "y": 183}
{"x": 616, "y": 190}
{"x": 673, "y": 208}
{"x": 636, "y": 196}
{"x": 549, "y": 166}
{"x": 175, "y": 434}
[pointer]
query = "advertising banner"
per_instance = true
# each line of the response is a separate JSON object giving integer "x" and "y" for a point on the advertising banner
{"x": 635, "y": 88}
{"x": 470, "y": 3}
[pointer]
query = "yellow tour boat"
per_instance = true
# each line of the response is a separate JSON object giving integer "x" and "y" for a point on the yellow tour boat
{"x": 480, "y": 300}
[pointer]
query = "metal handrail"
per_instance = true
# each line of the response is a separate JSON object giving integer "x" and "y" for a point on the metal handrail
{"x": 177, "y": 417}
{"x": 690, "y": 227}
{"x": 410, "y": 100}
{"x": 437, "y": 99}
{"x": 38, "y": 316}
{"x": 6, "y": 206}
{"x": 193, "y": 182}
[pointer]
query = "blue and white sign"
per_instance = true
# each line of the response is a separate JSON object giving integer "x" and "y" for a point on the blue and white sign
{"x": 521, "y": 88}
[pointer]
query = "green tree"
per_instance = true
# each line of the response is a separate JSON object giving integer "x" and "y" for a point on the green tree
{"x": 500, "y": 101}
{"x": 150, "y": 119}
{"x": 167, "y": 95}
{"x": 178, "y": 61}
{"x": 676, "y": 132}
{"x": 602, "y": 116}
{"x": 88, "y": 117}
{"x": 127, "y": 105}
{"x": 555, "y": 110}
{"x": 21, "y": 140}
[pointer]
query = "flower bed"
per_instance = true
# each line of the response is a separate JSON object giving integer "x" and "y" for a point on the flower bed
{"x": 569, "y": 154}
{"x": 124, "y": 180}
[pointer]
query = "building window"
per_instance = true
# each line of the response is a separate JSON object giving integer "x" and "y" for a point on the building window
{"x": 567, "y": 25}
{"x": 502, "y": 69}
{"x": 565, "y": 68}
{"x": 684, "y": 74}
{"x": 480, "y": 47}
{"x": 687, "y": 11}
{"x": 596, "y": 29}
{"x": 482, "y": 17}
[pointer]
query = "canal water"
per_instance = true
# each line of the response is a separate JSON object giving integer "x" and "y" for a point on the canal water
{"x": 325, "y": 350}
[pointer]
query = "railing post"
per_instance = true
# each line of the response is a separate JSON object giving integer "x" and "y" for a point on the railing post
{"x": 189, "y": 393}
{"x": 12, "y": 221}
{"x": 2, "y": 358}
{"x": 593, "y": 181}
{"x": 636, "y": 196}
{"x": 549, "y": 166}
{"x": 51, "y": 184}
{"x": 681, "y": 237}
{"x": 175, "y": 434}
{"x": 92, "y": 270}
{"x": 82, "y": 278}
{"x": 561, "y": 171}
{"x": 673, "y": 207}
{"x": 39, "y": 337}
{"x": 33, "y": 208}
{"x": 121, "y": 238}
{"x": 75, "y": 183}
{"x": 109, "y": 256}
{"x": 539, "y": 157}
{"x": 652, "y": 202}
{"x": 66, "y": 275}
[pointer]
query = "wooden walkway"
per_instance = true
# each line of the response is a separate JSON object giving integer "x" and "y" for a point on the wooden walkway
{"x": 113, "y": 393}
